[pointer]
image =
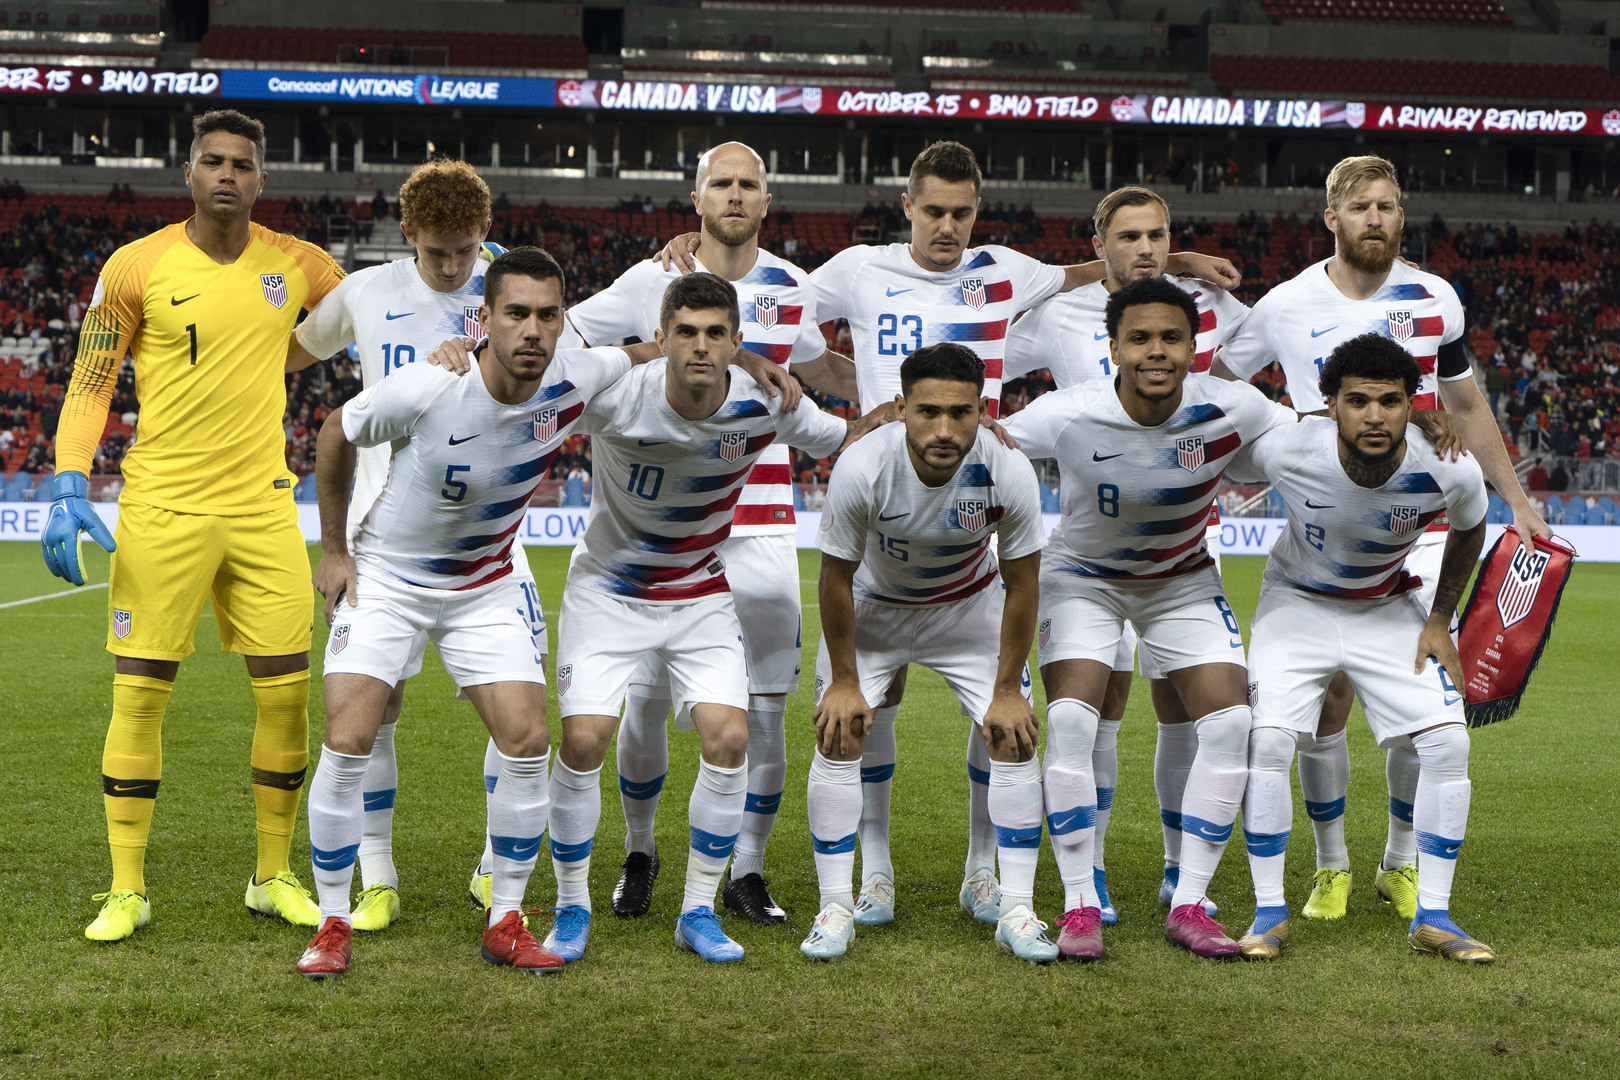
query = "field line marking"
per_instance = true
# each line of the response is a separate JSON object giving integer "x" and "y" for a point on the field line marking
{"x": 54, "y": 595}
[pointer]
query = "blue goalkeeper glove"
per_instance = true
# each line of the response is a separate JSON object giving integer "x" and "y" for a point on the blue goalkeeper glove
{"x": 70, "y": 513}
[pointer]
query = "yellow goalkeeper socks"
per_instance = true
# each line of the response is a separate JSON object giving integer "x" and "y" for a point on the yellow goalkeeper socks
{"x": 280, "y": 760}
{"x": 131, "y": 766}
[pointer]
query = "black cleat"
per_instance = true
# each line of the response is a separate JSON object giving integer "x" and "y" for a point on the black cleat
{"x": 750, "y": 897}
{"x": 632, "y": 896}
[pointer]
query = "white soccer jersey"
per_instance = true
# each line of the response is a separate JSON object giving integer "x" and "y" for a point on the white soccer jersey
{"x": 779, "y": 323}
{"x": 1135, "y": 500}
{"x": 1346, "y": 540}
{"x": 1300, "y": 321}
{"x": 1068, "y": 335}
{"x": 666, "y": 486}
{"x": 895, "y": 307}
{"x": 920, "y": 545}
{"x": 393, "y": 317}
{"x": 464, "y": 465}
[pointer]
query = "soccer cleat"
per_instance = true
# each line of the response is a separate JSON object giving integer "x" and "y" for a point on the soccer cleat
{"x": 1190, "y": 927}
{"x": 1167, "y": 890}
{"x": 1267, "y": 935}
{"x": 569, "y": 932}
{"x": 1022, "y": 934}
{"x": 750, "y": 897}
{"x": 1399, "y": 887}
{"x": 328, "y": 955}
{"x": 875, "y": 905}
{"x": 632, "y": 896}
{"x": 283, "y": 897}
{"x": 123, "y": 911}
{"x": 1330, "y": 894}
{"x": 981, "y": 895}
{"x": 1110, "y": 915}
{"x": 479, "y": 887}
{"x": 509, "y": 944}
{"x": 1434, "y": 932}
{"x": 830, "y": 934}
{"x": 1080, "y": 937}
{"x": 698, "y": 931}
{"x": 377, "y": 909}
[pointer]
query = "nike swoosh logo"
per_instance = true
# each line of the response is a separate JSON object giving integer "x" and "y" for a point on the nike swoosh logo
{"x": 891, "y": 517}
{"x": 523, "y": 851}
{"x": 1450, "y": 701}
{"x": 1319, "y": 333}
{"x": 1099, "y": 336}
{"x": 894, "y": 292}
{"x": 457, "y": 442}
{"x": 1235, "y": 644}
{"x": 715, "y": 847}
{"x": 390, "y": 316}
{"x": 651, "y": 442}
{"x": 177, "y": 301}
{"x": 1105, "y": 457}
{"x": 1317, "y": 506}
{"x": 127, "y": 787}
{"x": 1059, "y": 822}
{"x": 1208, "y": 833}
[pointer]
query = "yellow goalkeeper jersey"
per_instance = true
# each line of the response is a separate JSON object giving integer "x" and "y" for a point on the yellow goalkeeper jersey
{"x": 209, "y": 345}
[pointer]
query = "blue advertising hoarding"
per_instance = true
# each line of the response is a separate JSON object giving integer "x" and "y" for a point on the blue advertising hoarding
{"x": 253, "y": 85}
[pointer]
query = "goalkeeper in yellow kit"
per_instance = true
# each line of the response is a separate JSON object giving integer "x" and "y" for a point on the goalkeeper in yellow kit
{"x": 206, "y": 309}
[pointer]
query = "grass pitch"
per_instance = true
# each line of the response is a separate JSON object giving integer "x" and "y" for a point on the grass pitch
{"x": 210, "y": 990}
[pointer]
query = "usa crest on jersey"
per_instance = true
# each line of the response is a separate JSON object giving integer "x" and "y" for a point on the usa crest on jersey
{"x": 120, "y": 623}
{"x": 275, "y": 289}
{"x": 340, "y": 638}
{"x": 732, "y": 445}
{"x": 565, "y": 677}
{"x": 1401, "y": 325}
{"x": 471, "y": 325}
{"x": 545, "y": 424}
{"x": 1404, "y": 519}
{"x": 1190, "y": 452}
{"x": 971, "y": 514}
{"x": 1046, "y": 632}
{"x": 973, "y": 292}
{"x": 1518, "y": 592}
{"x": 765, "y": 311}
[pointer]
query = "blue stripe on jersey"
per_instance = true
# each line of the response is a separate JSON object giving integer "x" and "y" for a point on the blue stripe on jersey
{"x": 1193, "y": 415}
{"x": 1373, "y": 547}
{"x": 1169, "y": 526}
{"x": 768, "y": 275}
{"x": 672, "y": 545}
{"x": 1415, "y": 483}
{"x": 555, "y": 390}
{"x": 941, "y": 551}
{"x": 775, "y": 353}
{"x": 1346, "y": 571}
{"x": 1412, "y": 290}
{"x": 692, "y": 485}
{"x": 1179, "y": 496}
{"x": 528, "y": 470}
{"x": 983, "y": 258}
{"x": 948, "y": 570}
{"x": 975, "y": 475}
{"x": 492, "y": 511}
{"x": 991, "y": 330}
{"x": 741, "y": 409}
{"x": 698, "y": 513}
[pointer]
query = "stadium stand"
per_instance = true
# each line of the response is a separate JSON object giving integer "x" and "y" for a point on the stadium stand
{"x": 1452, "y": 78}
{"x": 432, "y": 48}
{"x": 1453, "y": 12}
{"x": 987, "y": 7}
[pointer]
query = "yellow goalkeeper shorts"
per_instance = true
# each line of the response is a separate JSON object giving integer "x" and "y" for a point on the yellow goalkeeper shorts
{"x": 255, "y": 566}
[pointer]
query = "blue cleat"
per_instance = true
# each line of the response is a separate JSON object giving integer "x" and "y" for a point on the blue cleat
{"x": 698, "y": 931}
{"x": 981, "y": 896}
{"x": 569, "y": 933}
{"x": 1110, "y": 915}
{"x": 1167, "y": 890}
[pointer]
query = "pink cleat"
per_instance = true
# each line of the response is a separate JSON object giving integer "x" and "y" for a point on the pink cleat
{"x": 1189, "y": 928}
{"x": 1081, "y": 938}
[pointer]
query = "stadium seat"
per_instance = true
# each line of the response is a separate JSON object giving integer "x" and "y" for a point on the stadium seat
{"x": 1555, "y": 510}
{"x": 305, "y": 491}
{"x": 1575, "y": 511}
{"x": 1603, "y": 513}
{"x": 43, "y": 485}
{"x": 16, "y": 489}
{"x": 1496, "y": 511}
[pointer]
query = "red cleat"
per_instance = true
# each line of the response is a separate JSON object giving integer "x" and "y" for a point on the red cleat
{"x": 1081, "y": 938}
{"x": 1189, "y": 928}
{"x": 328, "y": 955}
{"x": 508, "y": 943}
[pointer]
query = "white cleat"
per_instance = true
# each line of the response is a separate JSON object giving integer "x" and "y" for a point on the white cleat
{"x": 830, "y": 934}
{"x": 1022, "y": 934}
{"x": 981, "y": 895}
{"x": 875, "y": 905}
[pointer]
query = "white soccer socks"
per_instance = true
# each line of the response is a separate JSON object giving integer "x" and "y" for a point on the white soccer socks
{"x": 377, "y": 792}
{"x": 1268, "y": 812}
{"x": 517, "y": 811}
{"x": 1071, "y": 798}
{"x": 1440, "y": 814}
{"x": 877, "y": 776}
{"x": 1105, "y": 769}
{"x": 715, "y": 814}
{"x": 1401, "y": 772}
{"x": 492, "y": 777}
{"x": 336, "y": 823}
{"x": 1215, "y": 784}
{"x": 1015, "y": 810}
{"x": 982, "y": 842}
{"x": 833, "y": 799}
{"x": 1173, "y": 755}
{"x": 643, "y": 760}
{"x": 1324, "y": 780}
{"x": 767, "y": 773}
{"x": 576, "y": 810}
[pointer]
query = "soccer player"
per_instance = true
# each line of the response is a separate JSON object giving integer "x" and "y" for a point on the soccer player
{"x": 1068, "y": 336}
{"x": 394, "y": 313}
{"x": 1141, "y": 456}
{"x": 1363, "y": 287}
{"x": 673, "y": 445}
{"x": 433, "y": 558}
{"x": 908, "y": 577}
{"x": 206, "y": 309}
{"x": 1337, "y": 598}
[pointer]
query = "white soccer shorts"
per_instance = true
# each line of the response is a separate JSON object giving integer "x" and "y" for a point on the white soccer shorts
{"x": 1423, "y": 562}
{"x": 602, "y": 640}
{"x": 1299, "y": 641}
{"x": 1212, "y": 540}
{"x": 763, "y": 572}
{"x": 1181, "y": 621}
{"x": 960, "y": 641}
{"x": 493, "y": 634}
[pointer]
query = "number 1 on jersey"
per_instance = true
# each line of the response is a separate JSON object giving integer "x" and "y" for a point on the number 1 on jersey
{"x": 192, "y": 330}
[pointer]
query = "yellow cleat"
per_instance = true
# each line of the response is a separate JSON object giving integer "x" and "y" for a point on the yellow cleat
{"x": 1330, "y": 895}
{"x": 123, "y": 912}
{"x": 1445, "y": 939}
{"x": 1266, "y": 946}
{"x": 1399, "y": 887}
{"x": 479, "y": 888}
{"x": 377, "y": 909}
{"x": 283, "y": 897}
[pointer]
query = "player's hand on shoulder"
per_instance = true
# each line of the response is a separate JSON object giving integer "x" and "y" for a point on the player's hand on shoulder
{"x": 337, "y": 578}
{"x": 1214, "y": 269}
{"x": 1009, "y": 725}
{"x": 1003, "y": 436}
{"x": 887, "y": 413}
{"x": 1437, "y": 427}
{"x": 841, "y": 717}
{"x": 454, "y": 355}
{"x": 678, "y": 252}
{"x": 774, "y": 378}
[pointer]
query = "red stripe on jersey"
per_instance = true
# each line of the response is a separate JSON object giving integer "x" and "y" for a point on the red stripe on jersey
{"x": 997, "y": 291}
{"x": 789, "y": 314}
{"x": 1201, "y": 361}
{"x": 776, "y": 354}
{"x": 993, "y": 367}
{"x": 1403, "y": 582}
{"x": 496, "y": 576}
{"x": 1428, "y": 326}
{"x": 653, "y": 575}
{"x": 1206, "y": 320}
{"x": 1224, "y": 446}
{"x": 771, "y": 474}
{"x": 716, "y": 584}
{"x": 1424, "y": 401}
{"x": 763, "y": 514}
{"x": 960, "y": 594}
{"x": 1425, "y": 364}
